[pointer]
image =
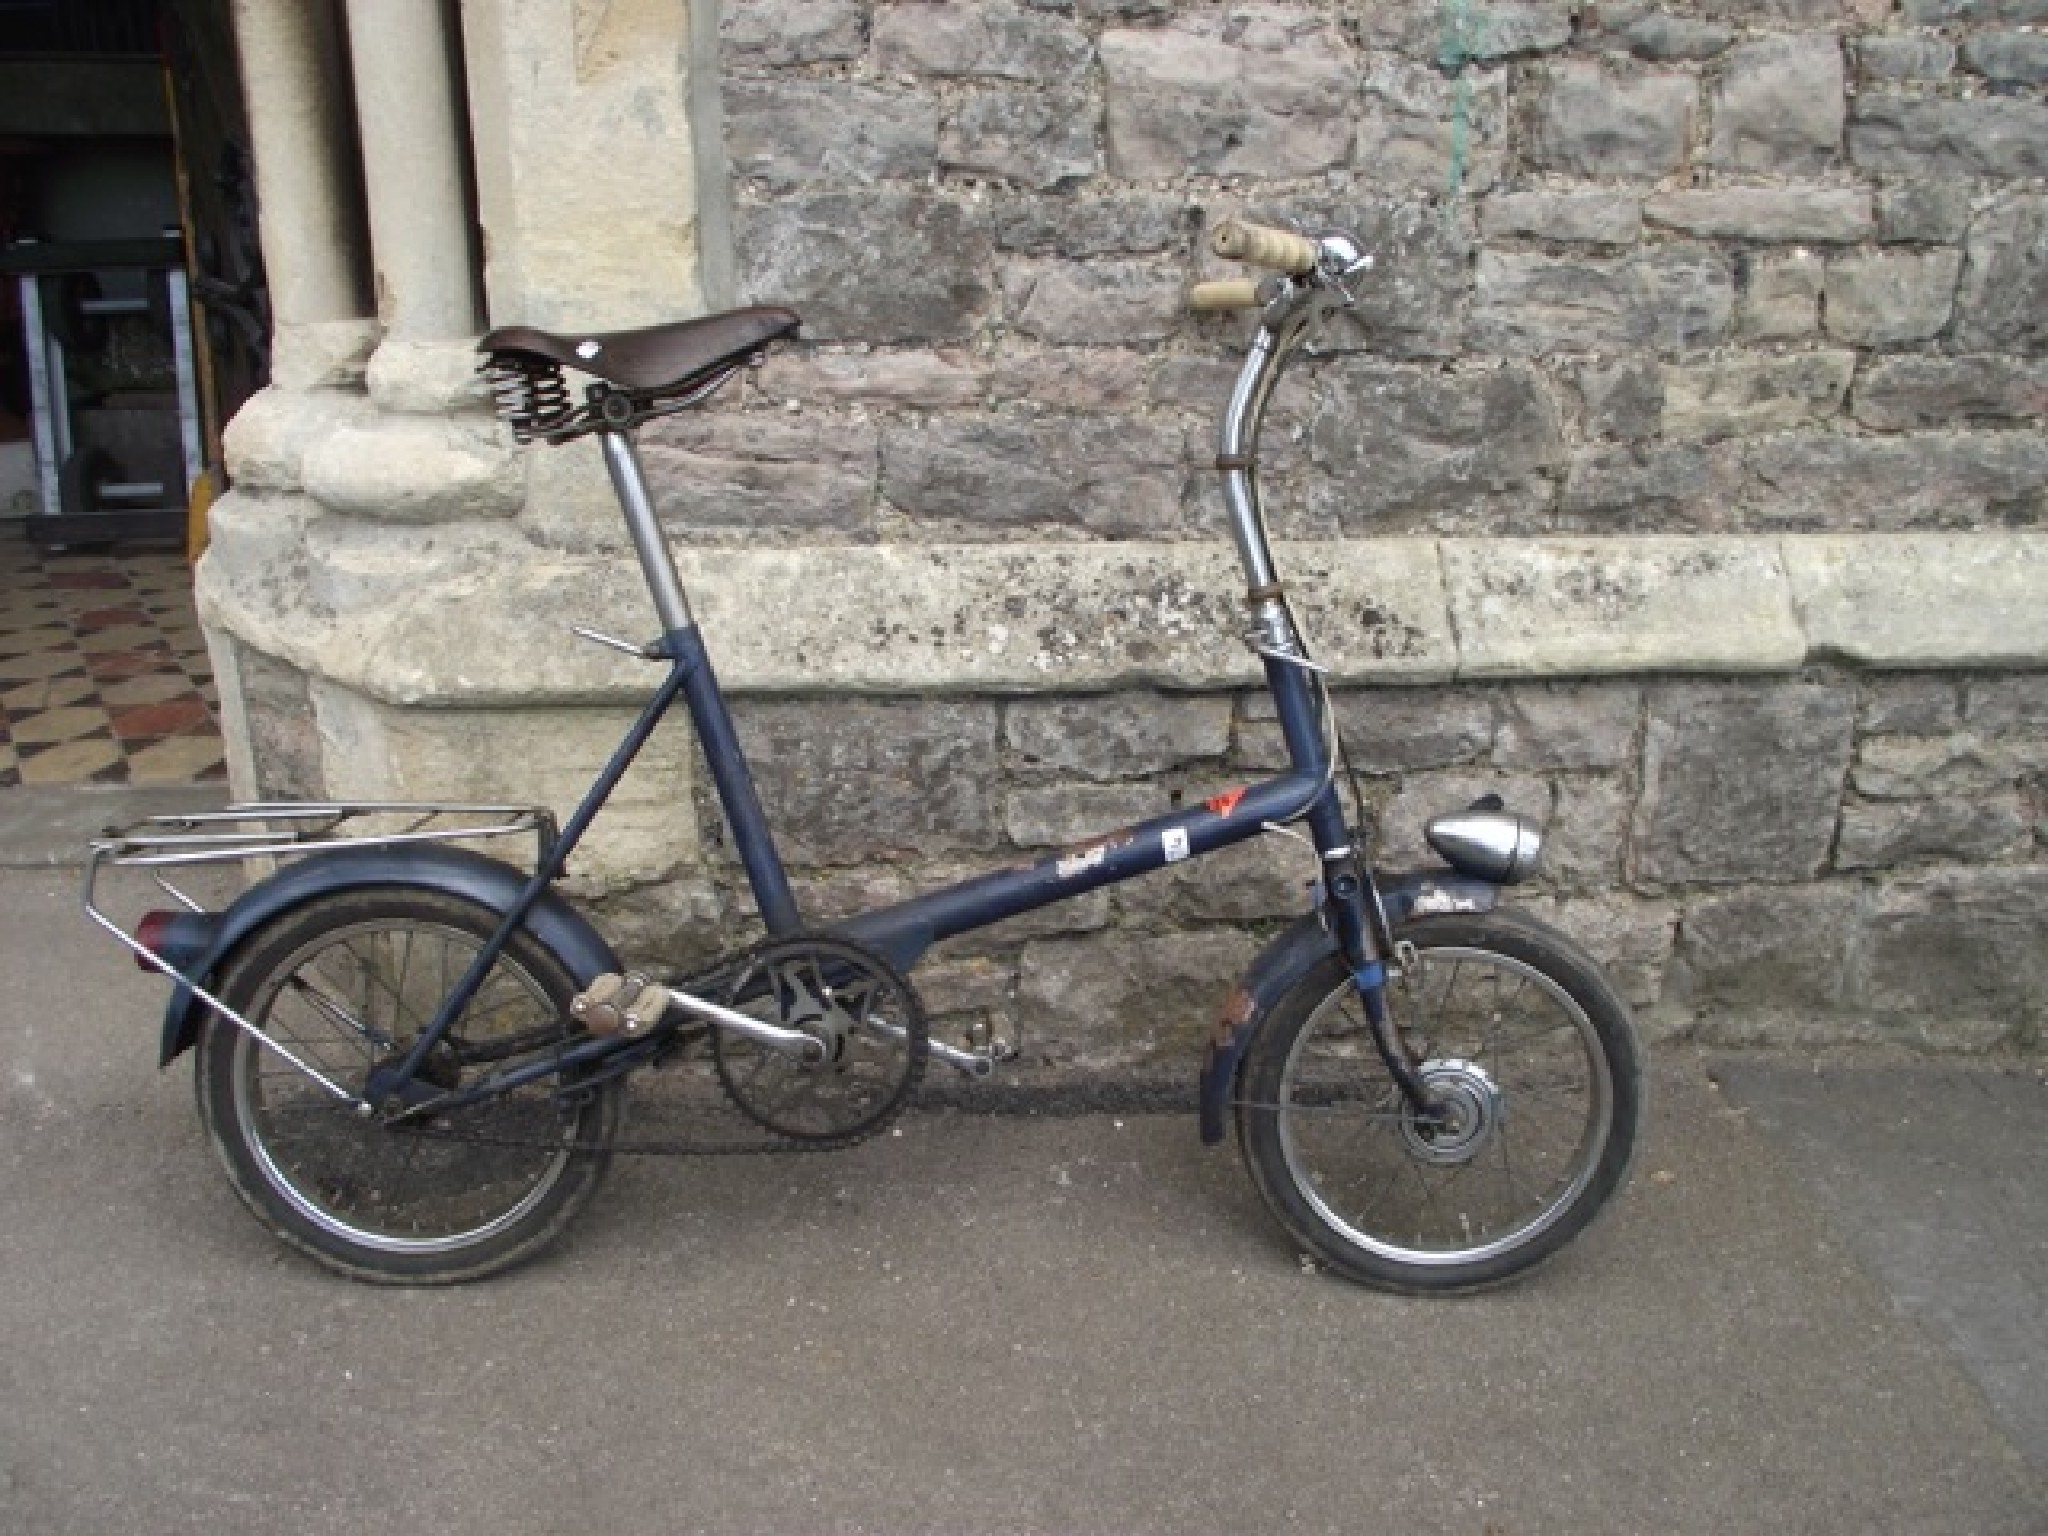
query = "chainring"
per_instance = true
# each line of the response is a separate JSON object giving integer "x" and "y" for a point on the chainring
{"x": 866, "y": 1012}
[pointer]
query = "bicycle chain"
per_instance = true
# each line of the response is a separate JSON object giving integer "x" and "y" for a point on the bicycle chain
{"x": 719, "y": 977}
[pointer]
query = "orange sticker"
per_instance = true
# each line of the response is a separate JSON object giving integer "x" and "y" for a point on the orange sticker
{"x": 1227, "y": 802}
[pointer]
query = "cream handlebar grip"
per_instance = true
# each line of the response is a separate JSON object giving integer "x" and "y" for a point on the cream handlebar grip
{"x": 1261, "y": 246}
{"x": 1233, "y": 293}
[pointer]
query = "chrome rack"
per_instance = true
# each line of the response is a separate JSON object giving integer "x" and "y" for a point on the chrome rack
{"x": 285, "y": 829}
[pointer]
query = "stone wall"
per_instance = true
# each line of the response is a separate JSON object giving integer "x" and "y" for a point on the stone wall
{"x": 1681, "y": 475}
{"x": 1709, "y": 272}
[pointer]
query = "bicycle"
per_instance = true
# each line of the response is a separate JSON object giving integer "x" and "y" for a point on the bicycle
{"x": 411, "y": 1057}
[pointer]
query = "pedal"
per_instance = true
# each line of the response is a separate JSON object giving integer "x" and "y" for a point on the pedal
{"x": 628, "y": 1005}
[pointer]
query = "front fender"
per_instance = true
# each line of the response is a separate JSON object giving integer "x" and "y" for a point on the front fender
{"x": 1304, "y": 945}
{"x": 436, "y": 867}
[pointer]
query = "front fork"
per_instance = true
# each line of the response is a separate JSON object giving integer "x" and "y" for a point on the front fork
{"x": 1358, "y": 922}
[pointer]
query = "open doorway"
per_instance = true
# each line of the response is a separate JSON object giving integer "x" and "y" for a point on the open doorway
{"x": 132, "y": 325}
{"x": 133, "y": 321}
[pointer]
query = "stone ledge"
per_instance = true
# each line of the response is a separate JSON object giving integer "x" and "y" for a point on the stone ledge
{"x": 474, "y": 615}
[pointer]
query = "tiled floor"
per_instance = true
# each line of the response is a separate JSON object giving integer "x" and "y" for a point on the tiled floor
{"x": 103, "y": 675}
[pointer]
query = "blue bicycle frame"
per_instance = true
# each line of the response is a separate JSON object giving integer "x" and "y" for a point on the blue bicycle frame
{"x": 904, "y": 932}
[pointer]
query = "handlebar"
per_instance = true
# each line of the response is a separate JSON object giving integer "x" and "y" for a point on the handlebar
{"x": 1234, "y": 293}
{"x": 1260, "y": 245}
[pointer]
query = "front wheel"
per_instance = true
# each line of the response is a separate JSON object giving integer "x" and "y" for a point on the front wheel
{"x": 1535, "y": 1063}
{"x": 346, "y": 983}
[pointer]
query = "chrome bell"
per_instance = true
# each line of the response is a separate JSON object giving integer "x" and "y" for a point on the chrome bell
{"x": 1488, "y": 842}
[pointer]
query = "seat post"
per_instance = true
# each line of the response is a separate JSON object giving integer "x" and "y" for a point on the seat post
{"x": 629, "y": 481}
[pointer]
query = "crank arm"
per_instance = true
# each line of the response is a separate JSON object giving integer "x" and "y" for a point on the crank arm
{"x": 789, "y": 1042}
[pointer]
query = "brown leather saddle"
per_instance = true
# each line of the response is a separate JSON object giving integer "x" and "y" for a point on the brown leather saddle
{"x": 656, "y": 358}
{"x": 652, "y": 371}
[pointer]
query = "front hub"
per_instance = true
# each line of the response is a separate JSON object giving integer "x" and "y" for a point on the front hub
{"x": 1468, "y": 1114}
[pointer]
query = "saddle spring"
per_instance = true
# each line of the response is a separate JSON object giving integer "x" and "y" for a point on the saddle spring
{"x": 530, "y": 395}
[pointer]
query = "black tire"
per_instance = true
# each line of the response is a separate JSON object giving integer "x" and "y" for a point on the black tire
{"x": 1518, "y": 1028}
{"x": 345, "y": 981}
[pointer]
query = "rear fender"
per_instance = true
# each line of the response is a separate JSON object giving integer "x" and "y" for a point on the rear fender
{"x": 1300, "y": 949}
{"x": 451, "y": 871}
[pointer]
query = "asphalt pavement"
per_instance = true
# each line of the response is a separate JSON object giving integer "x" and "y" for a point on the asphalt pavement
{"x": 1819, "y": 1307}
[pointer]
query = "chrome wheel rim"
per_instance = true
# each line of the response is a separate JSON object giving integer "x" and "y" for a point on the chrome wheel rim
{"x": 1532, "y": 1098}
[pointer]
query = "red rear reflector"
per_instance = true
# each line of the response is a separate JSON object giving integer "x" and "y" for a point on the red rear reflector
{"x": 151, "y": 933}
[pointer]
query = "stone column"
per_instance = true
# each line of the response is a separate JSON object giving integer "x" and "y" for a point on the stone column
{"x": 310, "y": 205}
{"x": 412, "y": 162}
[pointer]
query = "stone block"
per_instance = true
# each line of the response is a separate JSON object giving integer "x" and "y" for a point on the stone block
{"x": 2008, "y": 705}
{"x": 1116, "y": 736}
{"x": 1909, "y": 706}
{"x": 1097, "y": 303}
{"x": 777, "y": 34}
{"x": 1767, "y": 950}
{"x": 1825, "y": 215}
{"x": 1399, "y": 440}
{"x": 1583, "y": 119}
{"x": 1067, "y": 815}
{"x": 1780, "y": 298}
{"x": 1663, "y": 38}
{"x": 1573, "y": 218}
{"x": 1780, "y": 106}
{"x": 1953, "y": 601}
{"x": 1884, "y": 836}
{"x": 267, "y": 441}
{"x": 1032, "y": 137}
{"x": 1896, "y": 394}
{"x": 853, "y": 780}
{"x": 1741, "y": 783}
{"x": 1675, "y": 297}
{"x": 1886, "y": 297}
{"x": 2008, "y": 58}
{"x": 1748, "y": 396}
{"x": 1080, "y": 227}
{"x": 2002, "y": 305}
{"x": 1265, "y": 91}
{"x": 1955, "y": 958}
{"x": 1062, "y": 617}
{"x": 1654, "y": 487}
{"x": 1603, "y": 608}
{"x": 911, "y": 380}
{"x": 416, "y": 469}
{"x": 1119, "y": 478}
{"x": 1586, "y": 844}
{"x": 1621, "y": 400}
{"x": 1569, "y": 727}
{"x": 1945, "y": 138}
{"x": 1926, "y": 480}
{"x": 1922, "y": 768}
{"x": 1631, "y": 939}
{"x": 1424, "y": 132}
{"x": 786, "y": 133}
{"x": 1882, "y": 59}
{"x": 1402, "y": 730}
{"x": 882, "y": 265}
{"x": 1489, "y": 32}
{"x": 754, "y": 470}
{"x": 1070, "y": 379}
{"x": 2016, "y": 13}
{"x": 1923, "y": 213}
{"x": 992, "y": 39}
{"x": 321, "y": 355}
{"x": 283, "y": 736}
{"x": 426, "y": 378}
{"x": 1127, "y": 999}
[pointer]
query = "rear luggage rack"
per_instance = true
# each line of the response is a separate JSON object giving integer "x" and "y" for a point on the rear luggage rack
{"x": 287, "y": 829}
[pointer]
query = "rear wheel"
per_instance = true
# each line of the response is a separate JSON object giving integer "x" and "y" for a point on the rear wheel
{"x": 346, "y": 983}
{"x": 1536, "y": 1064}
